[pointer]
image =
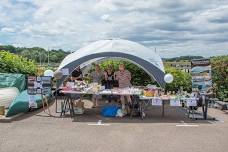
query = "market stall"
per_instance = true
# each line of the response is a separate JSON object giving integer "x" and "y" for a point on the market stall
{"x": 143, "y": 57}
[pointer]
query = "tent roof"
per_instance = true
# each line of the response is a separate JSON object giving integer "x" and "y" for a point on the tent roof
{"x": 115, "y": 45}
{"x": 137, "y": 53}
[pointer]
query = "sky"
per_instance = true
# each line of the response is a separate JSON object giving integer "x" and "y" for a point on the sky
{"x": 173, "y": 27}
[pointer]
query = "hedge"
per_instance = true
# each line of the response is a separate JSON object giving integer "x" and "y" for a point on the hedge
{"x": 12, "y": 63}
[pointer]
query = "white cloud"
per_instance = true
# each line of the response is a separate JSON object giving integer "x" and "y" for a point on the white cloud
{"x": 8, "y": 29}
{"x": 106, "y": 17}
{"x": 175, "y": 27}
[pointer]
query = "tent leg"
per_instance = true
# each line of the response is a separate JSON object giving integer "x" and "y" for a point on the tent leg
{"x": 163, "y": 108}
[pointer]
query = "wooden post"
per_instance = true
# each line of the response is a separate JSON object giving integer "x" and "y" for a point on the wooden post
{"x": 45, "y": 101}
{"x": 163, "y": 108}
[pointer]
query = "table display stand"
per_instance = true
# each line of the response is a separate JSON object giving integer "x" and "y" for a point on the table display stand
{"x": 191, "y": 110}
{"x": 135, "y": 107}
{"x": 205, "y": 112}
{"x": 163, "y": 108}
{"x": 56, "y": 106}
{"x": 67, "y": 103}
{"x": 56, "y": 101}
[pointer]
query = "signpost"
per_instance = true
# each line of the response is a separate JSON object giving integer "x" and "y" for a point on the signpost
{"x": 201, "y": 74}
{"x": 201, "y": 80}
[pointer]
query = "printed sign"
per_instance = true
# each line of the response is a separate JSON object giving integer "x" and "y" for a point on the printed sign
{"x": 191, "y": 102}
{"x": 46, "y": 85}
{"x": 175, "y": 103}
{"x": 39, "y": 85}
{"x": 200, "y": 62}
{"x": 38, "y": 79}
{"x": 32, "y": 101}
{"x": 156, "y": 102}
{"x": 31, "y": 80}
{"x": 65, "y": 71}
{"x": 31, "y": 85}
{"x": 31, "y": 90}
{"x": 46, "y": 90}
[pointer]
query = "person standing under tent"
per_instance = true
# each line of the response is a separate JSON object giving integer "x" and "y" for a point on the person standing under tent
{"x": 76, "y": 74}
{"x": 97, "y": 77}
{"x": 123, "y": 77}
{"x": 109, "y": 80}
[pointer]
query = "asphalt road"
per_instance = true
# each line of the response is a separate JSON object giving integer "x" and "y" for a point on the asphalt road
{"x": 94, "y": 133}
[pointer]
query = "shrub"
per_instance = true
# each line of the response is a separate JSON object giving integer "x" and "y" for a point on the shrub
{"x": 220, "y": 76}
{"x": 11, "y": 63}
{"x": 181, "y": 79}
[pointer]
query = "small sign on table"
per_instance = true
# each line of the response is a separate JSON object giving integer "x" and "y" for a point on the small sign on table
{"x": 157, "y": 102}
{"x": 191, "y": 102}
{"x": 175, "y": 103}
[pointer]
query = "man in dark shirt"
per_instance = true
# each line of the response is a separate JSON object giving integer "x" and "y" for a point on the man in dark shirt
{"x": 76, "y": 74}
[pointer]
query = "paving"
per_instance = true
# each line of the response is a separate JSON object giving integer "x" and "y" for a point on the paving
{"x": 91, "y": 132}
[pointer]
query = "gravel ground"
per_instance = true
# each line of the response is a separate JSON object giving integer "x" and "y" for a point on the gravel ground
{"x": 37, "y": 132}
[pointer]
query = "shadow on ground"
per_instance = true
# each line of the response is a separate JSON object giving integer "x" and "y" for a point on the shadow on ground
{"x": 153, "y": 115}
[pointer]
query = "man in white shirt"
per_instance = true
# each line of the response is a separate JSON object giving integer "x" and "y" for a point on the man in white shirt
{"x": 123, "y": 77}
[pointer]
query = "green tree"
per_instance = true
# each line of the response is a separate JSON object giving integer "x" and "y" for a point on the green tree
{"x": 37, "y": 54}
{"x": 9, "y": 48}
{"x": 220, "y": 76}
{"x": 181, "y": 79}
{"x": 139, "y": 76}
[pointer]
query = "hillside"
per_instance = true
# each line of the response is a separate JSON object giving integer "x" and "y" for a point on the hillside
{"x": 182, "y": 58}
{"x": 39, "y": 55}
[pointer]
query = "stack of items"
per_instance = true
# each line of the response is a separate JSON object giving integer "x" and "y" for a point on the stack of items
{"x": 69, "y": 86}
{"x": 135, "y": 91}
{"x": 95, "y": 88}
{"x": 106, "y": 92}
{"x": 127, "y": 91}
{"x": 148, "y": 93}
{"x": 79, "y": 107}
{"x": 165, "y": 97}
{"x": 116, "y": 91}
{"x": 80, "y": 85}
{"x": 76, "y": 86}
{"x": 151, "y": 91}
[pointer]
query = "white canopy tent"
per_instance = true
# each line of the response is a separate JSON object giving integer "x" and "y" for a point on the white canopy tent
{"x": 144, "y": 57}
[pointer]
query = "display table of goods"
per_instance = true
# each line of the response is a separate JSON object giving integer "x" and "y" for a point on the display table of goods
{"x": 144, "y": 93}
{"x": 80, "y": 87}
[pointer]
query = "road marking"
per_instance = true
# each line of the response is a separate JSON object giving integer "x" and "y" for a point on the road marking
{"x": 183, "y": 124}
{"x": 99, "y": 123}
{"x": 211, "y": 122}
{"x": 186, "y": 125}
{"x": 219, "y": 120}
